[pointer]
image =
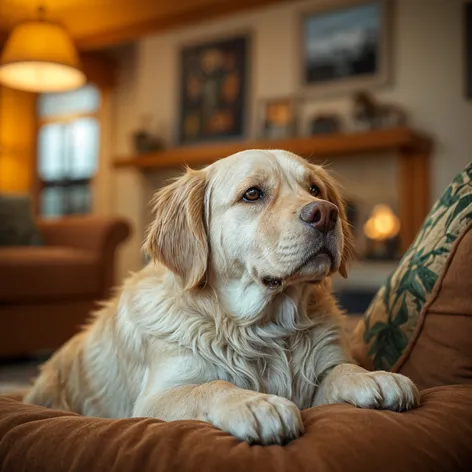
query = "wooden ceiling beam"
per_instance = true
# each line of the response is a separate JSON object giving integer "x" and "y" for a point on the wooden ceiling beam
{"x": 157, "y": 23}
{"x": 190, "y": 16}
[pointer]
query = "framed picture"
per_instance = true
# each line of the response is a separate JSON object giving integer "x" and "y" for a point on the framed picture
{"x": 213, "y": 90}
{"x": 468, "y": 49}
{"x": 347, "y": 48}
{"x": 278, "y": 118}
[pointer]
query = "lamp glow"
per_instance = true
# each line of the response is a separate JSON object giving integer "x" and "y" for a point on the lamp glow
{"x": 39, "y": 56}
{"x": 383, "y": 224}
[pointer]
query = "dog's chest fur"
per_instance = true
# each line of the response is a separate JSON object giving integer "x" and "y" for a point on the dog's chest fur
{"x": 284, "y": 356}
{"x": 290, "y": 367}
{"x": 272, "y": 371}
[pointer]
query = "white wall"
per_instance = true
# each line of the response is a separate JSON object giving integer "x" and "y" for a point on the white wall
{"x": 427, "y": 80}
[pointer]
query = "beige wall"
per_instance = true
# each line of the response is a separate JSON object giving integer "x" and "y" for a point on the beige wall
{"x": 427, "y": 80}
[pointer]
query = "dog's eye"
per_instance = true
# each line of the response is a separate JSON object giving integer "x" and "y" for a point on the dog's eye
{"x": 253, "y": 194}
{"x": 314, "y": 190}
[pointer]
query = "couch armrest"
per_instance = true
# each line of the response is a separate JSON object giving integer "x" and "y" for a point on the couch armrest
{"x": 99, "y": 235}
{"x": 91, "y": 233}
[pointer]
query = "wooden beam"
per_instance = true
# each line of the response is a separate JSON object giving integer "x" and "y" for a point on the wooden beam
{"x": 414, "y": 188}
{"x": 99, "y": 69}
{"x": 191, "y": 15}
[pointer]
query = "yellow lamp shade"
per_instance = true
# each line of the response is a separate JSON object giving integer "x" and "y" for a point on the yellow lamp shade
{"x": 39, "y": 56}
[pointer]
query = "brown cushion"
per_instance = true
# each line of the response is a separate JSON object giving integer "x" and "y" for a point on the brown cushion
{"x": 32, "y": 273}
{"x": 440, "y": 351}
{"x": 434, "y": 437}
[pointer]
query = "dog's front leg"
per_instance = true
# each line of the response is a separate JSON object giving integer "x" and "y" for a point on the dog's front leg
{"x": 349, "y": 383}
{"x": 248, "y": 415}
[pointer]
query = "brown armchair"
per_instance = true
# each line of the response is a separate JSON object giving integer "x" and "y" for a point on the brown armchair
{"x": 47, "y": 291}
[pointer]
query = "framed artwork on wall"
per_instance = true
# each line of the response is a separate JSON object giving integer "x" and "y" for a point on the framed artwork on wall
{"x": 213, "y": 89}
{"x": 347, "y": 48}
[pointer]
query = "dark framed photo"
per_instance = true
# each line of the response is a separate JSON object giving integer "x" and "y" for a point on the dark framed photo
{"x": 347, "y": 48}
{"x": 278, "y": 118}
{"x": 468, "y": 49}
{"x": 213, "y": 90}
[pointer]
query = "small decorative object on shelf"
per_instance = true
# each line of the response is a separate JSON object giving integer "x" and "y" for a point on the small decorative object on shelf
{"x": 381, "y": 231}
{"x": 325, "y": 124}
{"x": 370, "y": 114}
{"x": 143, "y": 140}
{"x": 279, "y": 118}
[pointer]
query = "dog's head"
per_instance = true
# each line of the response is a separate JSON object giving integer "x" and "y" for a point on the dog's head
{"x": 267, "y": 215}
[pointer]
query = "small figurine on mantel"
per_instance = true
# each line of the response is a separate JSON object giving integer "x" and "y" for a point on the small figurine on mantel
{"x": 145, "y": 141}
{"x": 326, "y": 123}
{"x": 370, "y": 114}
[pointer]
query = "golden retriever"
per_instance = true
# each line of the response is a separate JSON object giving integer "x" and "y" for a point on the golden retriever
{"x": 233, "y": 321}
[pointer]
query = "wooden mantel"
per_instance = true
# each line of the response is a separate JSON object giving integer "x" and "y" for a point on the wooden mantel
{"x": 412, "y": 148}
{"x": 339, "y": 145}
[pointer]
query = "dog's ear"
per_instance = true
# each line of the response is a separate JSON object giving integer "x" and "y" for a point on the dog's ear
{"x": 334, "y": 196}
{"x": 177, "y": 236}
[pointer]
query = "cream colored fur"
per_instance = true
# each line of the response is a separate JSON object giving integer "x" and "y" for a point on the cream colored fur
{"x": 199, "y": 334}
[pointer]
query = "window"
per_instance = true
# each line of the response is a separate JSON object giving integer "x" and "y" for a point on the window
{"x": 68, "y": 148}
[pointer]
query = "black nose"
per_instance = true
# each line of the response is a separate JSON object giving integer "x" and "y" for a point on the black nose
{"x": 321, "y": 215}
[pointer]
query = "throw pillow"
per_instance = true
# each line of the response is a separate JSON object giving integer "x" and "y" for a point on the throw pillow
{"x": 17, "y": 225}
{"x": 393, "y": 323}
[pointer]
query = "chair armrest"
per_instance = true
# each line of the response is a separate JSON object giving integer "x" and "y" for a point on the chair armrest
{"x": 90, "y": 233}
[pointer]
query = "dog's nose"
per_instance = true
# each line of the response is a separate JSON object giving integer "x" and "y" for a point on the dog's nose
{"x": 321, "y": 215}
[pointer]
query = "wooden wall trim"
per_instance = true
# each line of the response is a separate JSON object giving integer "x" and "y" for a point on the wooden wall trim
{"x": 414, "y": 189}
{"x": 99, "y": 69}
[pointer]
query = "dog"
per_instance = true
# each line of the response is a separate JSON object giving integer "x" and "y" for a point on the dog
{"x": 232, "y": 322}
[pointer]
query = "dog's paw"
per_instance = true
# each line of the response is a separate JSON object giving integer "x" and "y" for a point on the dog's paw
{"x": 258, "y": 418}
{"x": 382, "y": 390}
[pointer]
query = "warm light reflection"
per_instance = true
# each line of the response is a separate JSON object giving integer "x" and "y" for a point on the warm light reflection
{"x": 383, "y": 224}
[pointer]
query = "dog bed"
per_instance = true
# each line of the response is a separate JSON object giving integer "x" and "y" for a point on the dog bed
{"x": 434, "y": 437}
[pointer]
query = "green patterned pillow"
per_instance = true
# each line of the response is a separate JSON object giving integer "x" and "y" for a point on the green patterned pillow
{"x": 389, "y": 323}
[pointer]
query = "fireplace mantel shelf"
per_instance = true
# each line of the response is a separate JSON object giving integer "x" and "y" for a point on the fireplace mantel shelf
{"x": 413, "y": 150}
{"x": 335, "y": 145}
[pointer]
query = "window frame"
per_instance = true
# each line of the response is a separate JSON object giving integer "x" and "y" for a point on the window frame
{"x": 66, "y": 118}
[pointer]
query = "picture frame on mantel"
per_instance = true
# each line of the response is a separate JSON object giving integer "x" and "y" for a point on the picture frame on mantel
{"x": 213, "y": 90}
{"x": 278, "y": 118}
{"x": 346, "y": 48}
